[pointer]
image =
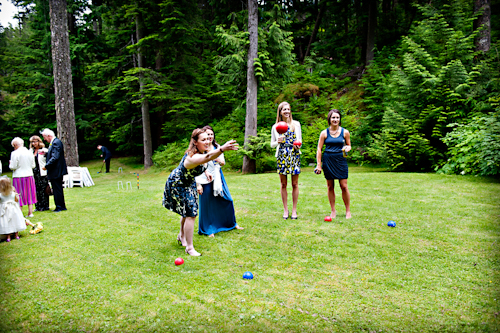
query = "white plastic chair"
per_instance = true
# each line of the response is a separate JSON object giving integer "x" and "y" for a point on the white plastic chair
{"x": 66, "y": 181}
{"x": 75, "y": 177}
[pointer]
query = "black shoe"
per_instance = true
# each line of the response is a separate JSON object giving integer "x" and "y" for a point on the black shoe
{"x": 59, "y": 210}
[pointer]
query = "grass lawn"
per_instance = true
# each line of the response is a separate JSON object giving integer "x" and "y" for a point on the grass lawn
{"x": 107, "y": 264}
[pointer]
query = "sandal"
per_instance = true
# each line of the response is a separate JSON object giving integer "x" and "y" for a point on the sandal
{"x": 193, "y": 253}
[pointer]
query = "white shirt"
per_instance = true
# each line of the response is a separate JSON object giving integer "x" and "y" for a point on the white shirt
{"x": 22, "y": 163}
{"x": 275, "y": 135}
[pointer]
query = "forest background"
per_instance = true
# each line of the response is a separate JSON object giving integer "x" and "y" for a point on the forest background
{"x": 417, "y": 82}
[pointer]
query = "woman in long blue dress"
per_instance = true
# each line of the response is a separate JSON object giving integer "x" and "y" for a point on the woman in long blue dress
{"x": 216, "y": 203}
{"x": 337, "y": 142}
{"x": 180, "y": 194}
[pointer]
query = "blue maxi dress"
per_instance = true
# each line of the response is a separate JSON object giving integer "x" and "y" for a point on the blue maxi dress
{"x": 216, "y": 212}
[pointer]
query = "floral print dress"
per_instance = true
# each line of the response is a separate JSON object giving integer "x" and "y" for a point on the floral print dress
{"x": 288, "y": 159}
{"x": 180, "y": 194}
{"x": 41, "y": 183}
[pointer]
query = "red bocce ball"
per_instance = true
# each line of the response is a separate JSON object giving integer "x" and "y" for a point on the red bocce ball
{"x": 282, "y": 127}
{"x": 297, "y": 143}
{"x": 328, "y": 218}
{"x": 179, "y": 261}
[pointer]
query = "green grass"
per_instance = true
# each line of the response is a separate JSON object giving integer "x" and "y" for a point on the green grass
{"x": 107, "y": 264}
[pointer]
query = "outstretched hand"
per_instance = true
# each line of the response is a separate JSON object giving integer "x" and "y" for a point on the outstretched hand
{"x": 230, "y": 145}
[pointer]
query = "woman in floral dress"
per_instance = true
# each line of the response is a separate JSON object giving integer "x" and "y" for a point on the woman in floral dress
{"x": 287, "y": 156}
{"x": 180, "y": 194}
{"x": 39, "y": 151}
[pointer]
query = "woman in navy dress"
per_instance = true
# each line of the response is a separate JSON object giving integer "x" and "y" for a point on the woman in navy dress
{"x": 337, "y": 142}
{"x": 216, "y": 203}
{"x": 180, "y": 194}
{"x": 287, "y": 156}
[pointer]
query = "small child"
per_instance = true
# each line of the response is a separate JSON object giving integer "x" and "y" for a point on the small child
{"x": 11, "y": 216}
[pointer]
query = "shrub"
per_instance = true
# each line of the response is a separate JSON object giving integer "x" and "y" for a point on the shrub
{"x": 474, "y": 148}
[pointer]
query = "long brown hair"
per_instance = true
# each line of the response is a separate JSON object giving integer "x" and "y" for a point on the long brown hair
{"x": 208, "y": 127}
{"x": 5, "y": 186}
{"x": 192, "y": 149}
{"x": 279, "y": 118}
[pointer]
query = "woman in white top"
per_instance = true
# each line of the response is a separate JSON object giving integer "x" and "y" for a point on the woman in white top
{"x": 288, "y": 156}
{"x": 22, "y": 163}
{"x": 39, "y": 152}
{"x": 216, "y": 204}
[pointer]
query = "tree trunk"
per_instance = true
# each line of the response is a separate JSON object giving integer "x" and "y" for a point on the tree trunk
{"x": 63, "y": 80}
{"x": 483, "y": 41}
{"x": 146, "y": 125}
{"x": 249, "y": 165}
{"x": 316, "y": 27}
{"x": 370, "y": 31}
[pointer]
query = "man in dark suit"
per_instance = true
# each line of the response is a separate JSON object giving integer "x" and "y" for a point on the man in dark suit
{"x": 56, "y": 167}
{"x": 107, "y": 156}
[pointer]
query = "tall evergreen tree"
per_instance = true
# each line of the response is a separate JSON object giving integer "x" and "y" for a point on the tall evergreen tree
{"x": 249, "y": 165}
{"x": 63, "y": 80}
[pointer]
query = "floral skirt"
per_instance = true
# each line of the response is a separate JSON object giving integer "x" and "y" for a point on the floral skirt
{"x": 288, "y": 161}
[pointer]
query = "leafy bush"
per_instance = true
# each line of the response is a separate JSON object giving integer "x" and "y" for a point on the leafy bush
{"x": 259, "y": 149}
{"x": 429, "y": 85}
{"x": 474, "y": 148}
{"x": 168, "y": 157}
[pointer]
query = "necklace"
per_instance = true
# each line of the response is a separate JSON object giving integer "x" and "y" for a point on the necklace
{"x": 334, "y": 132}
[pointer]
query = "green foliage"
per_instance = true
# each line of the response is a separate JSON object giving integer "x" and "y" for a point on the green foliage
{"x": 274, "y": 56}
{"x": 168, "y": 157}
{"x": 474, "y": 147}
{"x": 429, "y": 84}
{"x": 259, "y": 149}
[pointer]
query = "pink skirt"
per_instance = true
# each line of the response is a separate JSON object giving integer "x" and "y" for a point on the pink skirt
{"x": 26, "y": 188}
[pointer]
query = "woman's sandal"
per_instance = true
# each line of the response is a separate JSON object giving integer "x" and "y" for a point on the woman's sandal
{"x": 179, "y": 240}
{"x": 193, "y": 253}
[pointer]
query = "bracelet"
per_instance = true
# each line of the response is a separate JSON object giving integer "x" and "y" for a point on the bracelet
{"x": 221, "y": 149}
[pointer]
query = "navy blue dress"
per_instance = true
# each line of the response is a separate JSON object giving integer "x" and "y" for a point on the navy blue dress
{"x": 180, "y": 194}
{"x": 216, "y": 212}
{"x": 334, "y": 163}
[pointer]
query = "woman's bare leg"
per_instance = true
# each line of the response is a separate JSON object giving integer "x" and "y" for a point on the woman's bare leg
{"x": 188, "y": 233}
{"x": 331, "y": 197}
{"x": 295, "y": 194}
{"x": 346, "y": 196}
{"x": 182, "y": 237}
{"x": 284, "y": 195}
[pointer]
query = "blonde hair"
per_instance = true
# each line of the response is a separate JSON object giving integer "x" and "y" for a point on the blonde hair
{"x": 192, "y": 149}
{"x": 279, "y": 118}
{"x": 5, "y": 186}
{"x": 40, "y": 142}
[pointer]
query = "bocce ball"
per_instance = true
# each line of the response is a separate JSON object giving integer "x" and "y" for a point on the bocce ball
{"x": 179, "y": 261}
{"x": 282, "y": 127}
{"x": 297, "y": 143}
{"x": 328, "y": 219}
{"x": 391, "y": 223}
{"x": 247, "y": 275}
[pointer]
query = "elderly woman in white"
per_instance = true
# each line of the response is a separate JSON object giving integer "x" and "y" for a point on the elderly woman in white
{"x": 22, "y": 163}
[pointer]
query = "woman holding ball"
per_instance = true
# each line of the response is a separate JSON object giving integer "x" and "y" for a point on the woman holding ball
{"x": 288, "y": 155}
{"x": 180, "y": 194}
{"x": 337, "y": 142}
